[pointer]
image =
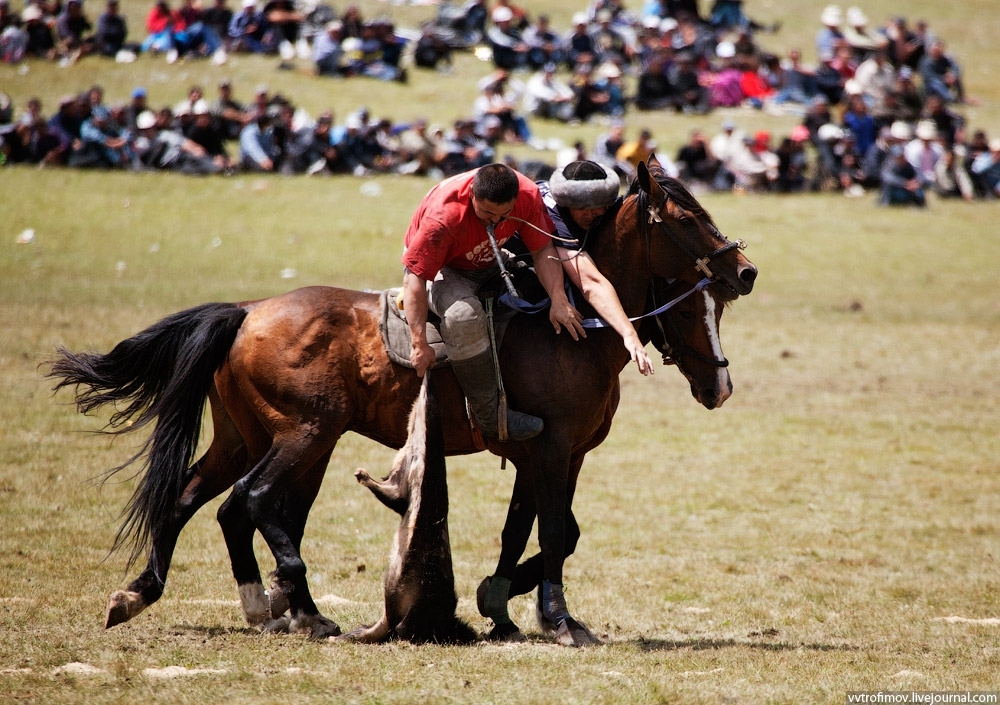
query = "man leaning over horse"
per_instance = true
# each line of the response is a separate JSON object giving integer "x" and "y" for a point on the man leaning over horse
{"x": 578, "y": 197}
{"x": 449, "y": 253}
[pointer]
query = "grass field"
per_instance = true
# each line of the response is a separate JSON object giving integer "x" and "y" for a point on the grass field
{"x": 834, "y": 527}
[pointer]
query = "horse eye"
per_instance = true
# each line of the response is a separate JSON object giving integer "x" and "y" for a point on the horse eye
{"x": 686, "y": 315}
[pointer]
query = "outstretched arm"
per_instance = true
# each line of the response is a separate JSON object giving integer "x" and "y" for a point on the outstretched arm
{"x": 600, "y": 294}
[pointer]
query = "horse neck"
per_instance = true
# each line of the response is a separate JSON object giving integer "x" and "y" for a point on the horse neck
{"x": 619, "y": 251}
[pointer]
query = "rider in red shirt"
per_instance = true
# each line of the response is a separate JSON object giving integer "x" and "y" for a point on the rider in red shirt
{"x": 448, "y": 255}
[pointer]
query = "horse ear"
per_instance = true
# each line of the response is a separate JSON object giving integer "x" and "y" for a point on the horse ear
{"x": 653, "y": 162}
{"x": 642, "y": 176}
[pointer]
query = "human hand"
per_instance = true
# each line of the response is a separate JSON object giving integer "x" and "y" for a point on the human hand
{"x": 565, "y": 316}
{"x": 637, "y": 353}
{"x": 421, "y": 357}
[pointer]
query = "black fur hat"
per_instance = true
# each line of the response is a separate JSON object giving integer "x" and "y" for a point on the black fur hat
{"x": 584, "y": 184}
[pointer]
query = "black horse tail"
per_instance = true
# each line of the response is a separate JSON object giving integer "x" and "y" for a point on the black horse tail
{"x": 163, "y": 373}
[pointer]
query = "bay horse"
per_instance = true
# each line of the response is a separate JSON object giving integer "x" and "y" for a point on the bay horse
{"x": 287, "y": 376}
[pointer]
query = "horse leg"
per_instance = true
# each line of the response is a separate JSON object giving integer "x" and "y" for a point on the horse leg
{"x": 260, "y": 492}
{"x": 295, "y": 506}
{"x": 554, "y": 481}
{"x": 495, "y": 590}
{"x": 208, "y": 480}
{"x": 212, "y": 474}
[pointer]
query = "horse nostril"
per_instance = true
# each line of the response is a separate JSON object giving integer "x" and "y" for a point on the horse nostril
{"x": 748, "y": 275}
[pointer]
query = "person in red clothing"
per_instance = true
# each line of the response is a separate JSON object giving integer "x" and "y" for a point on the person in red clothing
{"x": 448, "y": 255}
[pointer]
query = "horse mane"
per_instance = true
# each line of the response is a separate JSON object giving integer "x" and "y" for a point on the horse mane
{"x": 674, "y": 188}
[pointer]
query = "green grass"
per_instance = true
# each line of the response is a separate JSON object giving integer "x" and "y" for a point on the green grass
{"x": 809, "y": 538}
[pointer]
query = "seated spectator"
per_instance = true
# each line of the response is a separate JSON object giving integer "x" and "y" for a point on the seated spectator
{"x": 509, "y": 50}
{"x": 905, "y": 101}
{"x": 654, "y": 90}
{"x": 638, "y": 150}
{"x": 66, "y": 124}
{"x": 315, "y": 153}
{"x": 161, "y": 23}
{"x": 611, "y": 44}
{"x": 797, "y": 83}
{"x": 102, "y": 143}
{"x": 160, "y": 147}
{"x": 217, "y": 18}
{"x": 191, "y": 35}
{"x": 259, "y": 150}
{"x": 544, "y": 45}
{"x": 138, "y": 103}
{"x": 941, "y": 74}
{"x": 248, "y": 31}
{"x": 283, "y": 21}
{"x": 328, "y": 52}
{"x": 753, "y": 86}
{"x": 900, "y": 184}
{"x": 519, "y": 16}
{"x": 112, "y": 31}
{"x": 204, "y": 132}
{"x": 696, "y": 164}
{"x": 689, "y": 95}
{"x": 951, "y": 180}
{"x": 924, "y": 151}
{"x": 41, "y": 40}
{"x": 863, "y": 41}
{"x": 725, "y": 90}
{"x": 364, "y": 56}
{"x": 461, "y": 149}
{"x": 581, "y": 49}
{"x": 949, "y": 124}
{"x": 860, "y": 123}
{"x": 607, "y": 144}
{"x": 905, "y": 47}
{"x": 352, "y": 21}
{"x": 431, "y": 50}
{"x": 229, "y": 114}
{"x": 830, "y": 36}
{"x": 792, "y": 161}
{"x": 986, "y": 169}
{"x": 13, "y": 41}
{"x": 495, "y": 100}
{"x": 73, "y": 32}
{"x": 418, "y": 150}
{"x": 546, "y": 96}
{"x": 876, "y": 78}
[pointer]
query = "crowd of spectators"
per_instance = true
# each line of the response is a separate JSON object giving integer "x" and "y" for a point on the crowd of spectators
{"x": 881, "y": 108}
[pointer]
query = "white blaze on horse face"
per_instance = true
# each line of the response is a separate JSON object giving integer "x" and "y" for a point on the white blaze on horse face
{"x": 712, "y": 330}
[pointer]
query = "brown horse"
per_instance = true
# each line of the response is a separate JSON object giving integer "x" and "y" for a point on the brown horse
{"x": 286, "y": 377}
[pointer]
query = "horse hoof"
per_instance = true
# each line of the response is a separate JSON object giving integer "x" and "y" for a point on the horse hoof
{"x": 509, "y": 633}
{"x": 278, "y": 601}
{"x": 574, "y": 633}
{"x": 281, "y": 625}
{"x": 324, "y": 628}
{"x": 481, "y": 592}
{"x": 123, "y": 606}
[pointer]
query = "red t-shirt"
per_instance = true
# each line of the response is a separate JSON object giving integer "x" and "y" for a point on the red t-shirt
{"x": 446, "y": 232}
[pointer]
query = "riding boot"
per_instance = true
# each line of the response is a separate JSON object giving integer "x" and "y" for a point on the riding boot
{"x": 478, "y": 379}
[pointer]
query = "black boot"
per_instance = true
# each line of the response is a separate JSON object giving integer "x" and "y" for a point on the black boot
{"x": 478, "y": 379}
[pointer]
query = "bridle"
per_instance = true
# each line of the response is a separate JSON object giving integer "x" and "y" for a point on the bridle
{"x": 700, "y": 263}
{"x": 673, "y": 354}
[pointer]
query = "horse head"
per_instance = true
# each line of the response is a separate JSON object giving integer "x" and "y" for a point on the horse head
{"x": 687, "y": 335}
{"x": 675, "y": 221}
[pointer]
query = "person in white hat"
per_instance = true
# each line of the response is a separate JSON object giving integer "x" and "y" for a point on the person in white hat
{"x": 328, "y": 53}
{"x": 830, "y": 35}
{"x": 246, "y": 30}
{"x": 924, "y": 151}
{"x": 863, "y": 40}
{"x": 509, "y": 50}
{"x": 580, "y": 46}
